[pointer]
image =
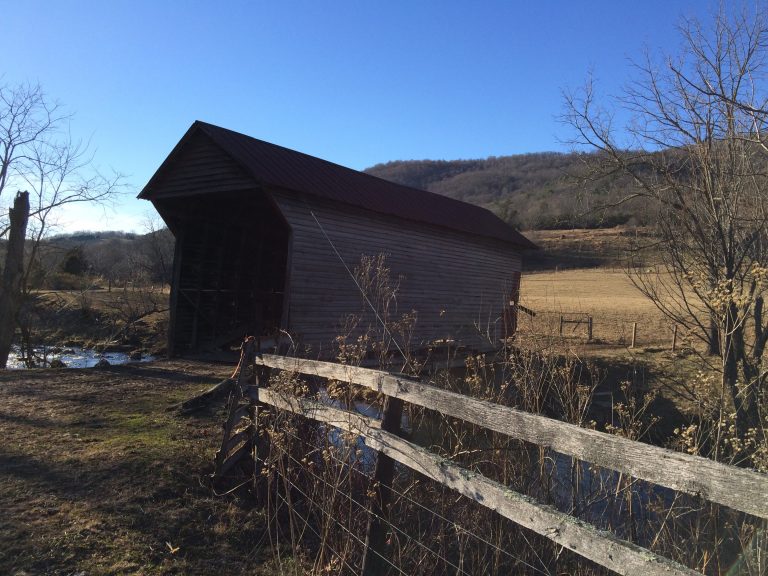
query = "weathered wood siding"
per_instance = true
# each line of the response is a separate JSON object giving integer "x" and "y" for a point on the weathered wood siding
{"x": 457, "y": 283}
{"x": 201, "y": 167}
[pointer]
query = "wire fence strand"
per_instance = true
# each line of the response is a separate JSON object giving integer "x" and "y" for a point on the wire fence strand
{"x": 388, "y": 522}
{"x": 342, "y": 526}
{"x": 458, "y": 528}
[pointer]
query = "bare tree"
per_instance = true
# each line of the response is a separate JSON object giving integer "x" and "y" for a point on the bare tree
{"x": 38, "y": 154}
{"x": 695, "y": 148}
{"x": 157, "y": 246}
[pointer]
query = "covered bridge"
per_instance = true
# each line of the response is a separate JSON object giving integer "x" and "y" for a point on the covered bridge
{"x": 267, "y": 238}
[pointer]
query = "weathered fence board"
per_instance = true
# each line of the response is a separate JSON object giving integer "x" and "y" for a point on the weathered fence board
{"x": 243, "y": 435}
{"x": 335, "y": 417}
{"x": 736, "y": 488}
{"x": 233, "y": 459}
{"x": 601, "y": 547}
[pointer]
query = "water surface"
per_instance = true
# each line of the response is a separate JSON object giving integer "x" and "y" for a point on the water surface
{"x": 73, "y": 357}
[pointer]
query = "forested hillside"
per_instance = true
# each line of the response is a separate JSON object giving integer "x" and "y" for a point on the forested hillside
{"x": 531, "y": 191}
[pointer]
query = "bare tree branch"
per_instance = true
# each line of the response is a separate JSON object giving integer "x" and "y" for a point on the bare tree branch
{"x": 699, "y": 157}
{"x": 37, "y": 153}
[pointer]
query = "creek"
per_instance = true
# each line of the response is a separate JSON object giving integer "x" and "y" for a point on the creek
{"x": 72, "y": 357}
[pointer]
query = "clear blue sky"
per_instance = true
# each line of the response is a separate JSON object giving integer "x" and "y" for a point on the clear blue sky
{"x": 355, "y": 82}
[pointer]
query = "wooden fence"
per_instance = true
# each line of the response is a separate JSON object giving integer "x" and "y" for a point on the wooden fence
{"x": 740, "y": 489}
{"x": 578, "y": 319}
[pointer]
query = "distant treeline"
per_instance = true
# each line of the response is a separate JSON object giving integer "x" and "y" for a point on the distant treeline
{"x": 90, "y": 236}
{"x": 544, "y": 190}
{"x": 77, "y": 260}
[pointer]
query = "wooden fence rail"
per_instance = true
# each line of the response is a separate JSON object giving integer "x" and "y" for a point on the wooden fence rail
{"x": 737, "y": 488}
{"x": 578, "y": 321}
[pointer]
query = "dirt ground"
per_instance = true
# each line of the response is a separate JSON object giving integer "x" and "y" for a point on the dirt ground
{"x": 98, "y": 477}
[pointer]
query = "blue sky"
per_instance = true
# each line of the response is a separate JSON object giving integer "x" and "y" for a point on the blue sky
{"x": 356, "y": 83}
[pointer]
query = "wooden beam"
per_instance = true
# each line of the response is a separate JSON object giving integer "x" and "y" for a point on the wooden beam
{"x": 335, "y": 417}
{"x": 734, "y": 487}
{"x": 598, "y": 546}
{"x": 238, "y": 414}
{"x": 236, "y": 457}
{"x": 198, "y": 296}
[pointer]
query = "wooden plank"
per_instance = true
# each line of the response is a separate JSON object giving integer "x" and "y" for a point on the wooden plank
{"x": 440, "y": 262}
{"x": 238, "y": 455}
{"x": 734, "y": 487}
{"x": 288, "y": 284}
{"x": 598, "y": 546}
{"x": 242, "y": 435}
{"x": 316, "y": 411}
{"x": 174, "y": 297}
{"x": 239, "y": 413}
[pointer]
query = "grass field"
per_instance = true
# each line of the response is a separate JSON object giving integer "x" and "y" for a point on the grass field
{"x": 574, "y": 249}
{"x": 580, "y": 273}
{"x": 607, "y": 295}
{"x": 98, "y": 477}
{"x": 614, "y": 304}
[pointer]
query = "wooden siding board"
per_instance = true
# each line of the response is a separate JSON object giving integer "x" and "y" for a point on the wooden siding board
{"x": 454, "y": 281}
{"x": 200, "y": 168}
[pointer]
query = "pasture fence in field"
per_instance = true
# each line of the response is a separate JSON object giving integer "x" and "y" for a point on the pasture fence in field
{"x": 361, "y": 506}
{"x": 619, "y": 330}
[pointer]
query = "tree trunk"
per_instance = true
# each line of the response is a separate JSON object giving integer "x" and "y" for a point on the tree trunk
{"x": 713, "y": 345}
{"x": 13, "y": 274}
{"x": 745, "y": 401}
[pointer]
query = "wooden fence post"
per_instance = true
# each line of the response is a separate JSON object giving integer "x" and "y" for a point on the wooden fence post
{"x": 674, "y": 338}
{"x": 634, "y": 334}
{"x": 561, "y": 324}
{"x": 260, "y": 377}
{"x": 375, "y": 556}
{"x": 243, "y": 404}
{"x": 589, "y": 329}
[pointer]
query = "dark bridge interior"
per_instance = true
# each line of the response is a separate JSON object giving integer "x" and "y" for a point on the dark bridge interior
{"x": 229, "y": 269}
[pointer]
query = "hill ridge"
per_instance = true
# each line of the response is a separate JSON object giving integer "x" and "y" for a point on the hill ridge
{"x": 535, "y": 190}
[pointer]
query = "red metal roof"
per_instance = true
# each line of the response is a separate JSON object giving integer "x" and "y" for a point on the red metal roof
{"x": 272, "y": 165}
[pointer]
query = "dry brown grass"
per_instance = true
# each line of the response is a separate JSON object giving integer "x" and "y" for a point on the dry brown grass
{"x": 134, "y": 319}
{"x": 607, "y": 295}
{"x": 573, "y": 249}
